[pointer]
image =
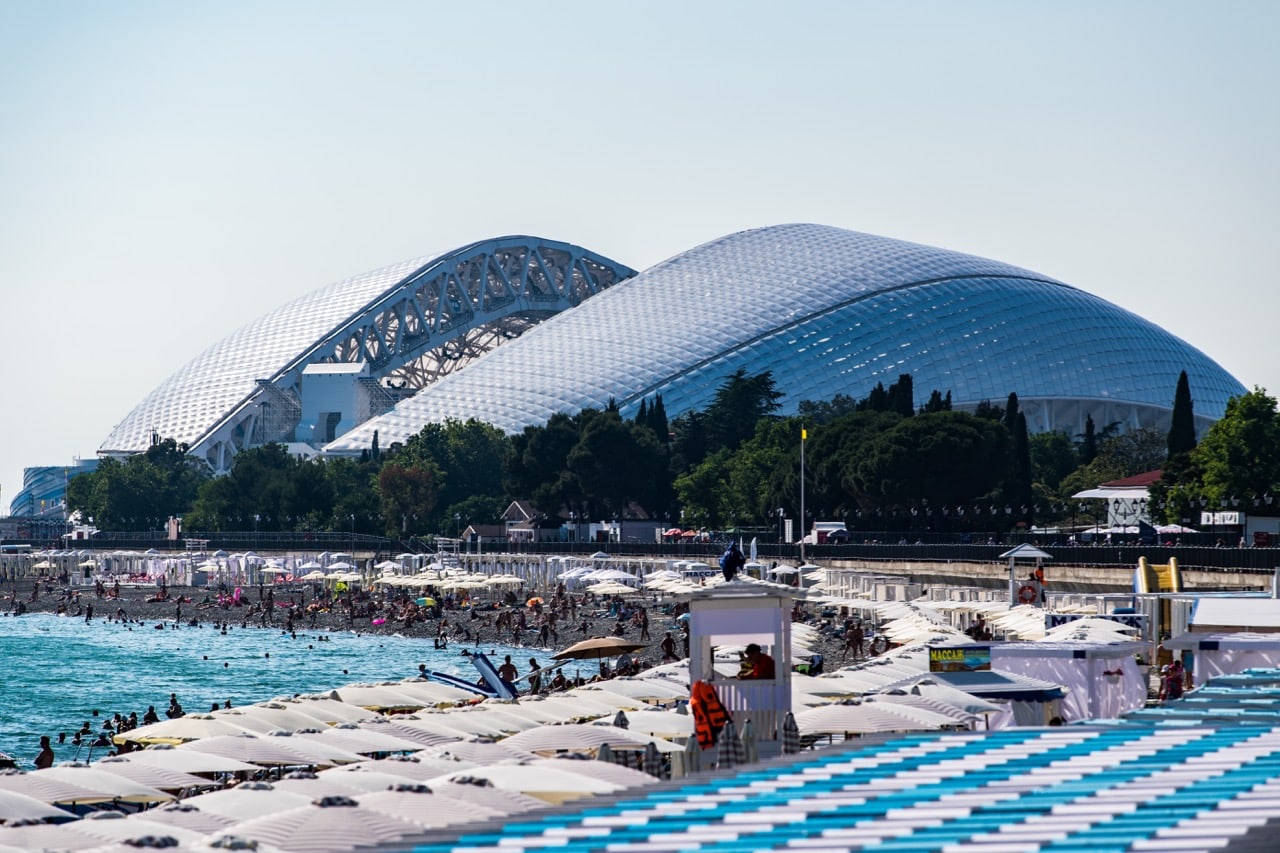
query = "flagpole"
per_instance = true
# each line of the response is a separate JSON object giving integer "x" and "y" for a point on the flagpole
{"x": 803, "y": 533}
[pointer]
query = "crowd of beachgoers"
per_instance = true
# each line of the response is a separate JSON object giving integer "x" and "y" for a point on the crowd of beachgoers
{"x": 543, "y": 621}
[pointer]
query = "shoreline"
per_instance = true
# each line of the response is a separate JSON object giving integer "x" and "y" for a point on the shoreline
{"x": 135, "y": 608}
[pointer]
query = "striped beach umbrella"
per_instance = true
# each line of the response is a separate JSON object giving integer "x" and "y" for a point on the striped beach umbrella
{"x": 652, "y": 761}
{"x": 731, "y": 751}
{"x": 750, "y": 749}
{"x": 790, "y": 735}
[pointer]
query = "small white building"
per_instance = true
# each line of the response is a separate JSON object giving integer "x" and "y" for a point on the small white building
{"x": 736, "y": 614}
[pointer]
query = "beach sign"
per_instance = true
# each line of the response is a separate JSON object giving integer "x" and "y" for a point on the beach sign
{"x": 959, "y": 658}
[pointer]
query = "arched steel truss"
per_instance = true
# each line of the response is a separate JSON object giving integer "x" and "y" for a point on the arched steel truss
{"x": 433, "y": 322}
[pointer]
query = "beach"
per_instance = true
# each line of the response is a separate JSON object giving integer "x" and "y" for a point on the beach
{"x": 211, "y": 653}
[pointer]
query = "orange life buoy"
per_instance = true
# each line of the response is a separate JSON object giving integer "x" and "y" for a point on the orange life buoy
{"x": 1027, "y": 594}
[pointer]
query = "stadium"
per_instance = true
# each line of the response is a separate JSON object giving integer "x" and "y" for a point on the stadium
{"x": 515, "y": 329}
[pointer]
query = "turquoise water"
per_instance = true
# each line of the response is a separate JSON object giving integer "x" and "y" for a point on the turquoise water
{"x": 58, "y": 670}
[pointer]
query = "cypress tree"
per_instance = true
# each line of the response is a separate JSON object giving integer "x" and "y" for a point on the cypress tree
{"x": 1010, "y": 418}
{"x": 642, "y": 416}
{"x": 658, "y": 420}
{"x": 1182, "y": 429}
{"x": 902, "y": 396}
{"x": 1020, "y": 494}
{"x": 1089, "y": 446}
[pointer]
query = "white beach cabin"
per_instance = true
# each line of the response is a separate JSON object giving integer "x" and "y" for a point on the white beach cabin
{"x": 735, "y": 614}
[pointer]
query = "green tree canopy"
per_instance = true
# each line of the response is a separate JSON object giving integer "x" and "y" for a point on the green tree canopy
{"x": 140, "y": 492}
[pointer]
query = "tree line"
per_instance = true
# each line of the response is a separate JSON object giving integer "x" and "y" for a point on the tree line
{"x": 878, "y": 463}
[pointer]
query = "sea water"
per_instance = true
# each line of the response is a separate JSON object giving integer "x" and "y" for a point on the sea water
{"x": 57, "y": 672}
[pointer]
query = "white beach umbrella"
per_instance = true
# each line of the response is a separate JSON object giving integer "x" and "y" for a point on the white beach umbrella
{"x": 47, "y": 836}
{"x": 357, "y": 740}
{"x": 270, "y": 717}
{"x": 368, "y": 780}
{"x": 504, "y": 721}
{"x": 264, "y": 751}
{"x": 330, "y": 710}
{"x": 421, "y": 804}
{"x": 529, "y": 708}
{"x": 317, "y": 785}
{"x": 152, "y": 776}
{"x": 579, "y": 703}
{"x": 477, "y": 752}
{"x": 420, "y": 732}
{"x": 185, "y": 760}
{"x": 403, "y": 768}
{"x": 247, "y": 801}
{"x": 330, "y": 824}
{"x": 862, "y": 718}
{"x": 604, "y": 771}
{"x": 930, "y": 688}
{"x": 54, "y": 788}
{"x": 926, "y": 710}
{"x": 433, "y": 692}
{"x": 115, "y": 826}
{"x": 634, "y": 688}
{"x": 180, "y": 729}
{"x": 15, "y": 807}
{"x": 584, "y": 737}
{"x": 118, "y": 787}
{"x": 663, "y": 724}
{"x": 611, "y": 588}
{"x": 381, "y": 697}
{"x": 187, "y": 816}
{"x": 543, "y": 783}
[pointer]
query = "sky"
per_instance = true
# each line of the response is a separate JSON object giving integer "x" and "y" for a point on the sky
{"x": 171, "y": 171}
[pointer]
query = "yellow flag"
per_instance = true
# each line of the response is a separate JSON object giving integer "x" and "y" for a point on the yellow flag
{"x": 804, "y": 434}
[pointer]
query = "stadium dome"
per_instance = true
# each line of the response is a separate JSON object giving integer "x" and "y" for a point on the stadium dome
{"x": 325, "y": 362}
{"x": 516, "y": 329}
{"x": 828, "y": 311}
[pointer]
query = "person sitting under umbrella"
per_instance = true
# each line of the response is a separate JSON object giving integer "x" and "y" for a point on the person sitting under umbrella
{"x": 761, "y": 664}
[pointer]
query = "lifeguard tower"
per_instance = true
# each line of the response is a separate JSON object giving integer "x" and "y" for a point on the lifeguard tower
{"x": 735, "y": 614}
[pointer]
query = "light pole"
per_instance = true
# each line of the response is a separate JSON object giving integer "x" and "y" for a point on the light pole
{"x": 804, "y": 433}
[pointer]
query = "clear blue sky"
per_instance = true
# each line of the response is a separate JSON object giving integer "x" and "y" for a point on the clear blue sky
{"x": 171, "y": 171}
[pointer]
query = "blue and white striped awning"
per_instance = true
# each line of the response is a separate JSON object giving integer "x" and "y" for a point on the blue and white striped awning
{"x": 1121, "y": 788}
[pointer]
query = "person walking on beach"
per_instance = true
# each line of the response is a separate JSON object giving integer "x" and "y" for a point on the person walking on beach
{"x": 535, "y": 681}
{"x": 853, "y": 640}
{"x": 668, "y": 648}
{"x": 45, "y": 759}
{"x": 508, "y": 671}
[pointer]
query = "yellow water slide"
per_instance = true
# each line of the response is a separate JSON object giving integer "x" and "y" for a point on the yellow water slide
{"x": 1157, "y": 578}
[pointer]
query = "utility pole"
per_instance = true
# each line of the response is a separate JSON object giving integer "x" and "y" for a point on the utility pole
{"x": 803, "y": 532}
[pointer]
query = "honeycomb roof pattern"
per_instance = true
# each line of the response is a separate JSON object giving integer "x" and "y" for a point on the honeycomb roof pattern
{"x": 827, "y": 311}
{"x": 209, "y": 386}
